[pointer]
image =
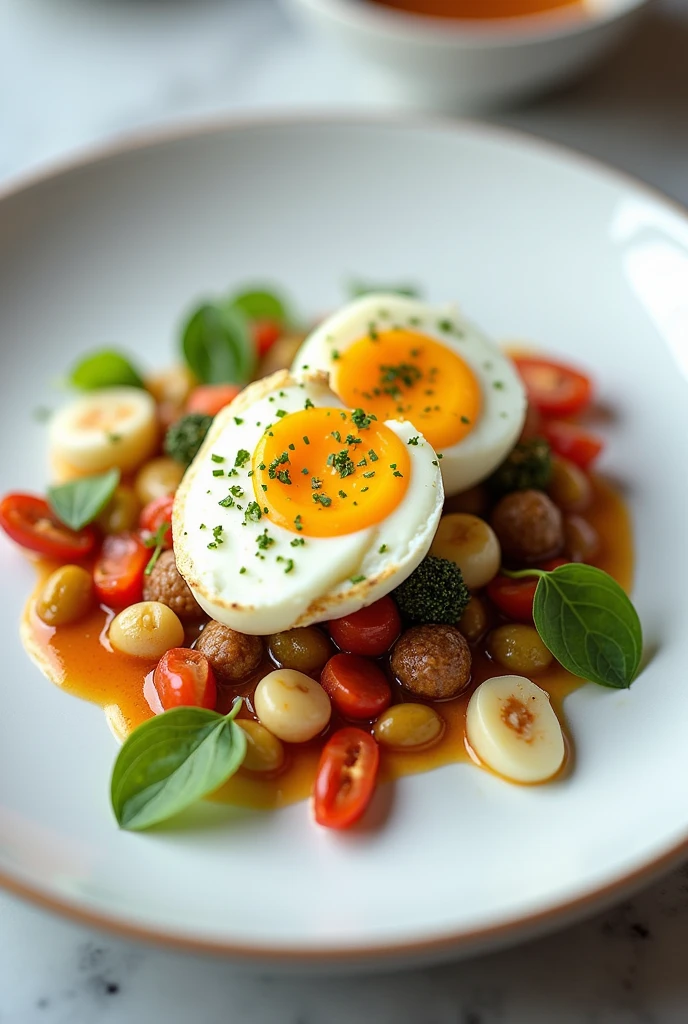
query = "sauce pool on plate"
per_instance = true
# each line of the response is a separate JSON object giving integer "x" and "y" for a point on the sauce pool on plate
{"x": 80, "y": 660}
{"x": 478, "y": 10}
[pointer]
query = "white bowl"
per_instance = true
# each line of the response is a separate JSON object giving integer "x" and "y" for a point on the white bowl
{"x": 538, "y": 245}
{"x": 469, "y": 65}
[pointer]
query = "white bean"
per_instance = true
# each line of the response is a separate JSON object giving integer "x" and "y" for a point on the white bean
{"x": 291, "y": 705}
{"x": 146, "y": 630}
{"x": 472, "y": 544}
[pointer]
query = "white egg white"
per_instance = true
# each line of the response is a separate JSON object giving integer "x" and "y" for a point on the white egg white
{"x": 503, "y": 397}
{"x": 265, "y": 597}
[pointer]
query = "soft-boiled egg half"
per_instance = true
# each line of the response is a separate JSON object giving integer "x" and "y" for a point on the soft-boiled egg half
{"x": 403, "y": 359}
{"x": 298, "y": 509}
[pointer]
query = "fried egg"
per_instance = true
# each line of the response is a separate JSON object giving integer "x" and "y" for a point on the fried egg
{"x": 403, "y": 359}
{"x": 298, "y": 509}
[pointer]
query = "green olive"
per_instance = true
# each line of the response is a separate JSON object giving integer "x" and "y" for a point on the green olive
{"x": 518, "y": 648}
{"x": 569, "y": 487}
{"x": 121, "y": 513}
{"x": 305, "y": 649}
{"x": 66, "y": 597}
{"x": 408, "y": 726}
{"x": 473, "y": 622}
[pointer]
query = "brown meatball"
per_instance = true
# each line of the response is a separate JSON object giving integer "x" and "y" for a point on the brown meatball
{"x": 233, "y": 656}
{"x": 167, "y": 586}
{"x": 529, "y": 526}
{"x": 432, "y": 661}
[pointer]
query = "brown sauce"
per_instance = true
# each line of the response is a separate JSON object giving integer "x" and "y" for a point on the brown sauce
{"x": 474, "y": 10}
{"x": 80, "y": 661}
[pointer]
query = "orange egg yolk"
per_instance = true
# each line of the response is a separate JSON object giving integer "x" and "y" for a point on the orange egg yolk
{"x": 402, "y": 374}
{"x": 324, "y": 472}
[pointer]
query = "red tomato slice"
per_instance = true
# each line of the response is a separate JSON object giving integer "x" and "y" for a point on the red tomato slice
{"x": 156, "y": 514}
{"x": 356, "y": 686}
{"x": 265, "y": 334}
{"x": 211, "y": 398}
{"x": 184, "y": 678}
{"x": 514, "y": 598}
{"x": 30, "y": 522}
{"x": 370, "y": 631}
{"x": 346, "y": 777}
{"x": 118, "y": 573}
{"x": 572, "y": 442}
{"x": 553, "y": 388}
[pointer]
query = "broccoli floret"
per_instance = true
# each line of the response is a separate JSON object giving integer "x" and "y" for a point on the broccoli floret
{"x": 527, "y": 467}
{"x": 185, "y": 437}
{"x": 434, "y": 592}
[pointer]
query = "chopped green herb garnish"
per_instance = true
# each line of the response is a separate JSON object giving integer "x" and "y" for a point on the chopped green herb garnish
{"x": 238, "y": 420}
{"x": 308, "y": 404}
{"x": 323, "y": 499}
{"x": 253, "y": 512}
{"x": 372, "y": 456}
{"x": 361, "y": 420}
{"x": 264, "y": 541}
{"x": 413, "y": 440}
{"x": 218, "y": 472}
{"x": 381, "y": 550}
{"x": 242, "y": 457}
{"x": 305, "y": 440}
{"x": 281, "y": 413}
{"x": 337, "y": 436}
{"x": 342, "y": 494}
{"x": 242, "y": 570}
{"x": 357, "y": 579}
{"x": 227, "y": 502}
{"x": 298, "y": 523}
{"x": 297, "y": 542}
{"x": 315, "y": 483}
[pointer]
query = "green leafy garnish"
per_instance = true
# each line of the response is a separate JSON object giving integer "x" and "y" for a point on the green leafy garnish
{"x": 217, "y": 345}
{"x": 157, "y": 541}
{"x": 588, "y": 623}
{"x": 173, "y": 760}
{"x": 358, "y": 288}
{"x": 104, "y": 369}
{"x": 79, "y": 502}
{"x": 260, "y": 304}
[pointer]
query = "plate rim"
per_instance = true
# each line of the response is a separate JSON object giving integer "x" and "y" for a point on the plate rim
{"x": 452, "y": 943}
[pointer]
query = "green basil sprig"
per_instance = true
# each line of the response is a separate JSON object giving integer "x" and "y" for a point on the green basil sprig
{"x": 105, "y": 369}
{"x": 259, "y": 304}
{"x": 173, "y": 760}
{"x": 79, "y": 502}
{"x": 588, "y": 623}
{"x": 217, "y": 344}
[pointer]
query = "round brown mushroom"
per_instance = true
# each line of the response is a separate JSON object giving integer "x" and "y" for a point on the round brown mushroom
{"x": 432, "y": 661}
{"x": 233, "y": 656}
{"x": 529, "y": 526}
{"x": 165, "y": 584}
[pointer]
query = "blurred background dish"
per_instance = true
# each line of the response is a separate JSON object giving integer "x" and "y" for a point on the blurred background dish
{"x": 471, "y": 55}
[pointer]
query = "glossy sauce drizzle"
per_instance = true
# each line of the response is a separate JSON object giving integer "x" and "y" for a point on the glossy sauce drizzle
{"x": 79, "y": 660}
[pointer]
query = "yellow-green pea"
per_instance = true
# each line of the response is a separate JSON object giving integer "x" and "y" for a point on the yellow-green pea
{"x": 66, "y": 596}
{"x": 519, "y": 648}
{"x": 408, "y": 726}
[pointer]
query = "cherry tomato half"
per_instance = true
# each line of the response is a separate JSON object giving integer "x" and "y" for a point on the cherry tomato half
{"x": 118, "y": 573}
{"x": 553, "y": 388}
{"x": 30, "y": 522}
{"x": 211, "y": 398}
{"x": 265, "y": 334}
{"x": 184, "y": 678}
{"x": 572, "y": 442}
{"x": 346, "y": 777}
{"x": 356, "y": 686}
{"x": 370, "y": 631}
{"x": 514, "y": 598}
{"x": 158, "y": 513}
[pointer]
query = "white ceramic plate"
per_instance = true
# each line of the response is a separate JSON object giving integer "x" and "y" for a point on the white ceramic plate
{"x": 536, "y": 244}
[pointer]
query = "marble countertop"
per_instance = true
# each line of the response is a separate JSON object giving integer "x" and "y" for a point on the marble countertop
{"x": 75, "y": 72}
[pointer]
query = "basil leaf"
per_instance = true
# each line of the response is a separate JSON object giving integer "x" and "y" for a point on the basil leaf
{"x": 589, "y": 624}
{"x": 105, "y": 369}
{"x": 217, "y": 345}
{"x": 357, "y": 289}
{"x": 171, "y": 761}
{"x": 79, "y": 502}
{"x": 261, "y": 305}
